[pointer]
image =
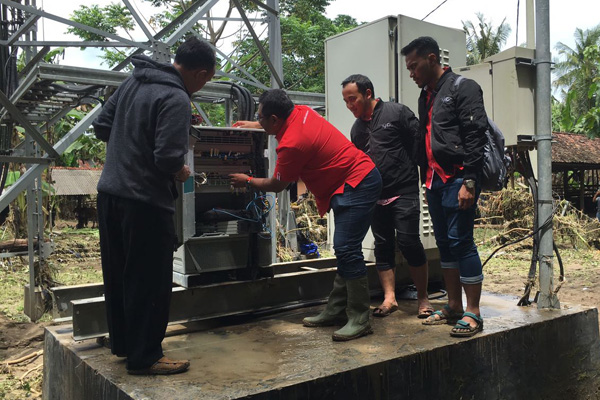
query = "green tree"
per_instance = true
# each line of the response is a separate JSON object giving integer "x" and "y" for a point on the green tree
{"x": 589, "y": 122}
{"x": 303, "y": 50}
{"x": 110, "y": 19}
{"x": 576, "y": 72}
{"x": 483, "y": 40}
{"x": 303, "y": 24}
{"x": 86, "y": 148}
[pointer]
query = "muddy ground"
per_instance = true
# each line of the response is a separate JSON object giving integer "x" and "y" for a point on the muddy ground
{"x": 77, "y": 259}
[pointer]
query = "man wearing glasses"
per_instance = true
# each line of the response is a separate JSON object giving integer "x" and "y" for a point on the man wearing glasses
{"x": 343, "y": 179}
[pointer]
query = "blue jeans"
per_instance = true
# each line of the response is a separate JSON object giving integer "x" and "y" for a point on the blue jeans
{"x": 453, "y": 229}
{"x": 352, "y": 211}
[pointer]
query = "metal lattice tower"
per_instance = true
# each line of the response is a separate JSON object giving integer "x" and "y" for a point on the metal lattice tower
{"x": 39, "y": 95}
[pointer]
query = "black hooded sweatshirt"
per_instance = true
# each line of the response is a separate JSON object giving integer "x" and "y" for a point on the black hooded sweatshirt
{"x": 146, "y": 124}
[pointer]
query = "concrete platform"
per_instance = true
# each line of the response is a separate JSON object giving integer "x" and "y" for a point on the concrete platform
{"x": 523, "y": 353}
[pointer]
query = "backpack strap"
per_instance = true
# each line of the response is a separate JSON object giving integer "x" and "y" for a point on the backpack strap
{"x": 454, "y": 90}
{"x": 457, "y": 82}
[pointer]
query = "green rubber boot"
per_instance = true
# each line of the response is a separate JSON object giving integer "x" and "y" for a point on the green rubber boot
{"x": 359, "y": 301}
{"x": 334, "y": 313}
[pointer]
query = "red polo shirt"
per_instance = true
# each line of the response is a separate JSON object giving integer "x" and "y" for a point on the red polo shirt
{"x": 313, "y": 150}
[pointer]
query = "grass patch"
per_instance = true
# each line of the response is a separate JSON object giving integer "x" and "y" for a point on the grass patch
{"x": 75, "y": 261}
{"x": 13, "y": 277}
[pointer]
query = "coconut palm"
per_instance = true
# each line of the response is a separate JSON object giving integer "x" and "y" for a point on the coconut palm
{"x": 575, "y": 72}
{"x": 483, "y": 40}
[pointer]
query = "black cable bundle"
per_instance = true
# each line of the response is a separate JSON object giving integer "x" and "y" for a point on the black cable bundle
{"x": 246, "y": 108}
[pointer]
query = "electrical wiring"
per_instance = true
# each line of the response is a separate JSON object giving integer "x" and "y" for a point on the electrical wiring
{"x": 259, "y": 211}
{"x": 523, "y": 166}
{"x": 517, "y": 29}
{"x": 435, "y": 9}
{"x": 245, "y": 102}
{"x": 546, "y": 224}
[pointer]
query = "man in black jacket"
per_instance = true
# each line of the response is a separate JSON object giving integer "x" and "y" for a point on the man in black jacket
{"x": 388, "y": 132}
{"x": 146, "y": 125}
{"x": 453, "y": 124}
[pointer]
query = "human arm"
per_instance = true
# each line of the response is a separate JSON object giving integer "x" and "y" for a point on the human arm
{"x": 289, "y": 164}
{"x": 104, "y": 122}
{"x": 596, "y": 195}
{"x": 171, "y": 135}
{"x": 247, "y": 124}
{"x": 412, "y": 133}
{"x": 473, "y": 124}
{"x": 262, "y": 184}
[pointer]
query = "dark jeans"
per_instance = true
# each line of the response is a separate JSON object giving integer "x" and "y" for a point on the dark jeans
{"x": 136, "y": 244}
{"x": 398, "y": 222}
{"x": 453, "y": 229}
{"x": 352, "y": 212}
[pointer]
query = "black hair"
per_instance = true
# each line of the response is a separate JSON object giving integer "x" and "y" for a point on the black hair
{"x": 195, "y": 54}
{"x": 424, "y": 46}
{"x": 362, "y": 83}
{"x": 276, "y": 102}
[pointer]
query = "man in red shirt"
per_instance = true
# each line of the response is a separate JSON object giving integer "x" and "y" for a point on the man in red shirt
{"x": 343, "y": 179}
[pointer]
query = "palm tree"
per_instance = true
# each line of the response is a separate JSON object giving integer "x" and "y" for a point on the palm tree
{"x": 575, "y": 72}
{"x": 484, "y": 40}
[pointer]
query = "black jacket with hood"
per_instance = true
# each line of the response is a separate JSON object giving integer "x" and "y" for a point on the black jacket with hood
{"x": 458, "y": 126}
{"x": 390, "y": 139}
{"x": 146, "y": 124}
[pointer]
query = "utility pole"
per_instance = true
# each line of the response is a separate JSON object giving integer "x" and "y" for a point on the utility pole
{"x": 547, "y": 297}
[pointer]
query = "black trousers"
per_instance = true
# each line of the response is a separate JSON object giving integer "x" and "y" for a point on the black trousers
{"x": 398, "y": 222}
{"x": 136, "y": 245}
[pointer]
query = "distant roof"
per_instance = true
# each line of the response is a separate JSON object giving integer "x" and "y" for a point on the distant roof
{"x": 575, "y": 150}
{"x": 75, "y": 181}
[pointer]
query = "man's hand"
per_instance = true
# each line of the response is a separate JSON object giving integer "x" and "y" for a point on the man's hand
{"x": 183, "y": 174}
{"x": 247, "y": 124}
{"x": 238, "y": 180}
{"x": 466, "y": 197}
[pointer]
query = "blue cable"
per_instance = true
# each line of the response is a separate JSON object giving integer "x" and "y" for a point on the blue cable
{"x": 257, "y": 211}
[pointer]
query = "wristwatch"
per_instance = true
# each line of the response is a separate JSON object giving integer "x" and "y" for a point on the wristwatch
{"x": 469, "y": 183}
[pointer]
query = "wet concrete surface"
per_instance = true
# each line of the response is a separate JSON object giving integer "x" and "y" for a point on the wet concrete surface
{"x": 277, "y": 358}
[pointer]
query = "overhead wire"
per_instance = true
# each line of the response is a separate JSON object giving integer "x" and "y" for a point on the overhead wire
{"x": 517, "y": 29}
{"x": 142, "y": 15}
{"x": 435, "y": 9}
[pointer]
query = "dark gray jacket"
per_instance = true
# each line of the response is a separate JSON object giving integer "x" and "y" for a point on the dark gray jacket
{"x": 390, "y": 139}
{"x": 146, "y": 124}
{"x": 458, "y": 126}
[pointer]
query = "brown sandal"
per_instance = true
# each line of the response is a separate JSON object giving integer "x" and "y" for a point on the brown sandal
{"x": 384, "y": 311}
{"x": 164, "y": 366}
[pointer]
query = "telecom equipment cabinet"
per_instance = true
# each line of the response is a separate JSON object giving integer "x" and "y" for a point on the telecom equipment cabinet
{"x": 222, "y": 231}
{"x": 508, "y": 83}
{"x": 373, "y": 50}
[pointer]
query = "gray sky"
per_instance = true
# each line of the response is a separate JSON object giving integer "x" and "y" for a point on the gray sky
{"x": 565, "y": 16}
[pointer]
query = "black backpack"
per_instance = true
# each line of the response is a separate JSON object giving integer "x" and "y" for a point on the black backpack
{"x": 495, "y": 161}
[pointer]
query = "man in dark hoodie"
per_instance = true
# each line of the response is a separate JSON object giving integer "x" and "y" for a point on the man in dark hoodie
{"x": 145, "y": 123}
{"x": 389, "y": 133}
